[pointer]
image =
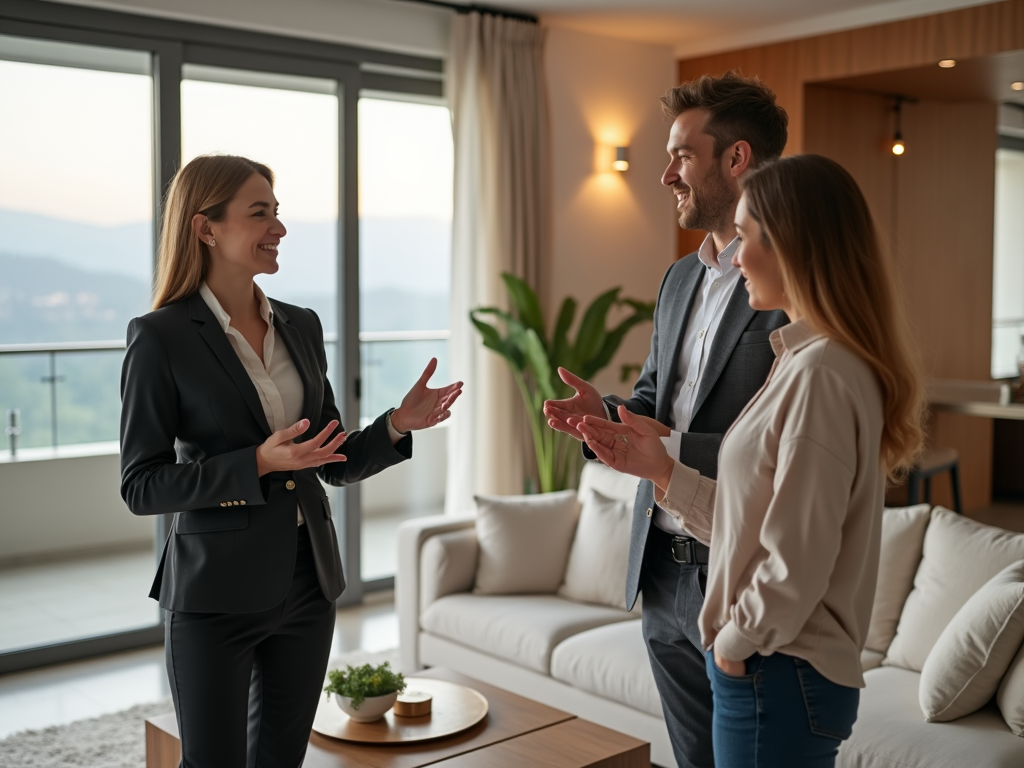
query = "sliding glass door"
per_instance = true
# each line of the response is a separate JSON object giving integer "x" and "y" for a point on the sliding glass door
{"x": 98, "y": 110}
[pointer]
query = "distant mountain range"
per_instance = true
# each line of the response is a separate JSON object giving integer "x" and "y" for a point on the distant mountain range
{"x": 63, "y": 281}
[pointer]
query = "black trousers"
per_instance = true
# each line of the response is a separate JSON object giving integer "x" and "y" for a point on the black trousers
{"x": 673, "y": 595}
{"x": 246, "y": 686}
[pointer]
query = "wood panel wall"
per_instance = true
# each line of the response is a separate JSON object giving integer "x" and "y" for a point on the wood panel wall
{"x": 788, "y": 67}
{"x": 934, "y": 206}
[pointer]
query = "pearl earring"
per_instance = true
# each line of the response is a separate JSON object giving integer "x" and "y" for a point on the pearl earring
{"x": 212, "y": 242}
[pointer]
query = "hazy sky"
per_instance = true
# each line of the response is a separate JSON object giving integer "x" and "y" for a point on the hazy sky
{"x": 75, "y": 144}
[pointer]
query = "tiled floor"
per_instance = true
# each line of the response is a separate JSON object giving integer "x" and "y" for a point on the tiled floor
{"x": 67, "y": 692}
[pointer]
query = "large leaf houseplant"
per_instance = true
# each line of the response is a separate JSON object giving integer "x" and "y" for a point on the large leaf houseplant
{"x": 521, "y": 338}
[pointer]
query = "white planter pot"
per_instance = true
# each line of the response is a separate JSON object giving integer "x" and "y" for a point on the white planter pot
{"x": 372, "y": 709}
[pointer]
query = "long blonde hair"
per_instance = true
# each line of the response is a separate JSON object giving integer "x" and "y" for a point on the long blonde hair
{"x": 206, "y": 185}
{"x": 817, "y": 222}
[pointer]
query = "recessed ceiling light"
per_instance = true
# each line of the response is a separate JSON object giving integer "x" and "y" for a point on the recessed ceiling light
{"x": 1018, "y": 86}
{"x": 947, "y": 63}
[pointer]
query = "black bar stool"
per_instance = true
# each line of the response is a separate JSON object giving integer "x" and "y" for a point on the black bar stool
{"x": 935, "y": 461}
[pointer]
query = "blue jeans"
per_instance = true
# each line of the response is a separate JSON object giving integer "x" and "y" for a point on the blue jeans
{"x": 782, "y": 712}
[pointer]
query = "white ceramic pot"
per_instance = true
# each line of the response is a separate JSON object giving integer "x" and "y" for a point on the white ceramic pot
{"x": 372, "y": 709}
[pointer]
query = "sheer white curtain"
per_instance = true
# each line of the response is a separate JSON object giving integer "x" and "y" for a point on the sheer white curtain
{"x": 496, "y": 91}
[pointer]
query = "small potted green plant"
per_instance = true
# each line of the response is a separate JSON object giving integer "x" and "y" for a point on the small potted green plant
{"x": 365, "y": 693}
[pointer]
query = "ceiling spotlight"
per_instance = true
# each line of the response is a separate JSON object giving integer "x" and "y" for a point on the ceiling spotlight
{"x": 947, "y": 63}
{"x": 621, "y": 162}
{"x": 1018, "y": 86}
{"x": 898, "y": 147}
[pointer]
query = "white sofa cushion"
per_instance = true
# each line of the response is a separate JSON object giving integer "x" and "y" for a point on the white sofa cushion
{"x": 1010, "y": 696}
{"x": 612, "y": 662}
{"x": 524, "y": 629}
{"x": 871, "y": 659}
{"x": 596, "y": 572}
{"x": 890, "y": 732}
{"x": 524, "y": 542}
{"x": 614, "y": 485}
{"x": 960, "y": 556}
{"x": 902, "y": 541}
{"x": 975, "y": 649}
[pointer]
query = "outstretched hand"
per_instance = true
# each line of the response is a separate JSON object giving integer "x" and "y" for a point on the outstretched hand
{"x": 633, "y": 446}
{"x": 564, "y": 415}
{"x": 424, "y": 407}
{"x": 280, "y": 452}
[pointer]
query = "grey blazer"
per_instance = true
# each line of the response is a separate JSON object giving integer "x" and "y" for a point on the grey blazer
{"x": 739, "y": 361}
{"x": 191, "y": 420}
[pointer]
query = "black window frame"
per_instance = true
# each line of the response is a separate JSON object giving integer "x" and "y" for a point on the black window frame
{"x": 172, "y": 44}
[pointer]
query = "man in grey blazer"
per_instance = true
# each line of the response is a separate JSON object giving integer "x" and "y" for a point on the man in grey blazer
{"x": 710, "y": 354}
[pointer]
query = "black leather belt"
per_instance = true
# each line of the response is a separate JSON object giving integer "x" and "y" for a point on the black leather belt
{"x": 684, "y": 550}
{"x": 689, "y": 551}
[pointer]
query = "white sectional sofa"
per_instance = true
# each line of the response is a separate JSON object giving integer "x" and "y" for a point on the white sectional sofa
{"x": 591, "y": 659}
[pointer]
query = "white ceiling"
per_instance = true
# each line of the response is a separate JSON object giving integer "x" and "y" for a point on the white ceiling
{"x": 695, "y": 27}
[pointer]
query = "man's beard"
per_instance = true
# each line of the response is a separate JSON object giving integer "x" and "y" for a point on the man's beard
{"x": 709, "y": 205}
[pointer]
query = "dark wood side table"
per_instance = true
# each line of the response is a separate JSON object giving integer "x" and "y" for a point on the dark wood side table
{"x": 517, "y": 733}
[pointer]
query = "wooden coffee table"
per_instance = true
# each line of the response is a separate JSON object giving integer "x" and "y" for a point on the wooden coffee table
{"x": 517, "y": 733}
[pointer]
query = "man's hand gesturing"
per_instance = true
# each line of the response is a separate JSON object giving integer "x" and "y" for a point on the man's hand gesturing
{"x": 564, "y": 415}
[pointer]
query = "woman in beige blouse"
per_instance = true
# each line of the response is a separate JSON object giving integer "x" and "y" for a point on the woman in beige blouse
{"x": 794, "y": 518}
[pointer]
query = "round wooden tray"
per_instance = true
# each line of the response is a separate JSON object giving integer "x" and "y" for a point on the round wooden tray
{"x": 455, "y": 708}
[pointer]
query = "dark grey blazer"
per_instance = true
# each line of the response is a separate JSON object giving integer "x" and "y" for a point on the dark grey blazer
{"x": 739, "y": 361}
{"x": 191, "y": 420}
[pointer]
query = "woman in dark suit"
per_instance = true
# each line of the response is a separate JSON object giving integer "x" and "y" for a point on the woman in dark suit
{"x": 229, "y": 422}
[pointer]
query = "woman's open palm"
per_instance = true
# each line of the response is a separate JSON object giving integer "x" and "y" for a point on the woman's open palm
{"x": 632, "y": 447}
{"x": 424, "y": 407}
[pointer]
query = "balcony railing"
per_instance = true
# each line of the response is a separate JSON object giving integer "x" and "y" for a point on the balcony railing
{"x": 385, "y": 366}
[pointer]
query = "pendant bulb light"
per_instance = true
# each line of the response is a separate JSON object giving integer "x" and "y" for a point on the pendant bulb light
{"x": 898, "y": 145}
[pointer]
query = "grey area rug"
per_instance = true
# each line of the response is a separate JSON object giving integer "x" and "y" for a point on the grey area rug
{"x": 117, "y": 740}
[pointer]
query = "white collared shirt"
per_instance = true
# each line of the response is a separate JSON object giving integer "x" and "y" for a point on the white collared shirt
{"x": 275, "y": 378}
{"x": 720, "y": 279}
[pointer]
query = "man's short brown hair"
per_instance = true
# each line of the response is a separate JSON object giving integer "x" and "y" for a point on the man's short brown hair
{"x": 739, "y": 109}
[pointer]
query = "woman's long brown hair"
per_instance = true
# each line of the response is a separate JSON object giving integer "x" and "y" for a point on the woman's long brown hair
{"x": 206, "y": 185}
{"x": 818, "y": 223}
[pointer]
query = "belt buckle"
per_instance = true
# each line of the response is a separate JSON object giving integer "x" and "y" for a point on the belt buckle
{"x": 687, "y": 546}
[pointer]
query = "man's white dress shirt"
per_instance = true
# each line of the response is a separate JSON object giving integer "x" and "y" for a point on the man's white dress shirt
{"x": 720, "y": 279}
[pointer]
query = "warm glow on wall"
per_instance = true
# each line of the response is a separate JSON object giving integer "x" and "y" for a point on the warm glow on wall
{"x": 947, "y": 63}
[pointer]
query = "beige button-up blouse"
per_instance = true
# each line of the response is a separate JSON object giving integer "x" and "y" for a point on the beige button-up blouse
{"x": 794, "y": 520}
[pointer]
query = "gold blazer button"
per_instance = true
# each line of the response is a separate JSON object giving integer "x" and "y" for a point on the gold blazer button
{"x": 650, "y": 511}
{"x": 223, "y": 503}
{"x": 290, "y": 485}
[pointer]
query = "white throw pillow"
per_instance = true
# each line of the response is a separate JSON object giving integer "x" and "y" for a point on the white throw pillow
{"x": 524, "y": 542}
{"x": 902, "y": 542}
{"x": 960, "y": 556}
{"x": 596, "y": 572}
{"x": 1010, "y": 696}
{"x": 963, "y": 670}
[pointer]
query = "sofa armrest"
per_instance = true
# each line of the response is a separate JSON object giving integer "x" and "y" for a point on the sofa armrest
{"x": 447, "y": 565}
{"x": 411, "y": 536}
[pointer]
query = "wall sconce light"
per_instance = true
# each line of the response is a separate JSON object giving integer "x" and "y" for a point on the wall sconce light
{"x": 1018, "y": 85}
{"x": 621, "y": 162}
{"x": 898, "y": 147}
{"x": 947, "y": 63}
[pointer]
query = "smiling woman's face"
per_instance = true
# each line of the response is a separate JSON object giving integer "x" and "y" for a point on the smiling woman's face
{"x": 248, "y": 236}
{"x": 758, "y": 263}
